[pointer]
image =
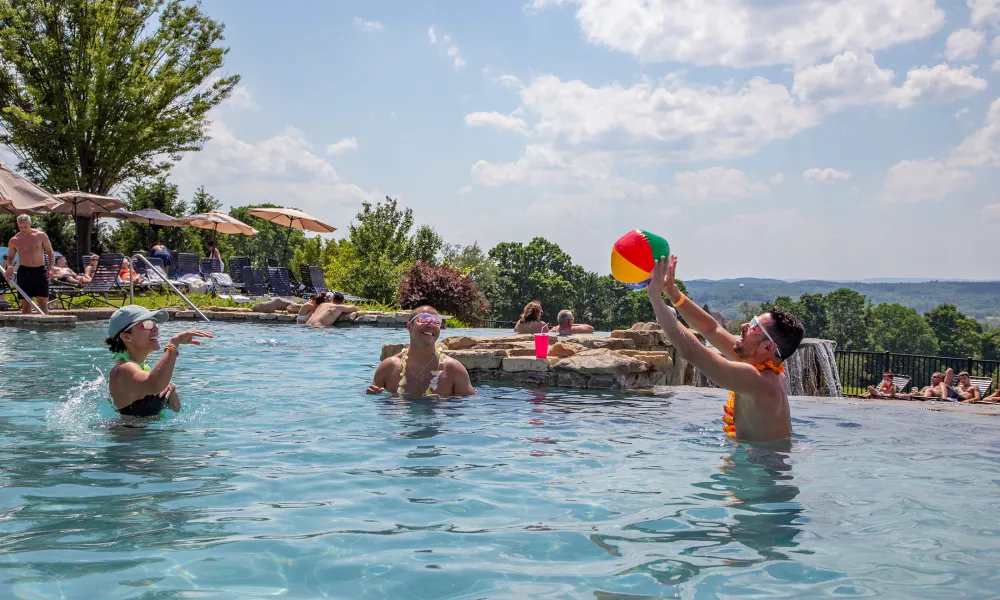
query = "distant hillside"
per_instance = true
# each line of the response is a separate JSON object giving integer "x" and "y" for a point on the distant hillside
{"x": 978, "y": 299}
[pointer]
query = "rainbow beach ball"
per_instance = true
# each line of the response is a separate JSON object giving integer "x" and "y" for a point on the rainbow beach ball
{"x": 634, "y": 256}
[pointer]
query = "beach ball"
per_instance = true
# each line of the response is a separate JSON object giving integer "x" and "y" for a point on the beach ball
{"x": 634, "y": 256}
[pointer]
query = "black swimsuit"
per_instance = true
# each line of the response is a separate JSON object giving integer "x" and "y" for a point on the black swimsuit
{"x": 149, "y": 406}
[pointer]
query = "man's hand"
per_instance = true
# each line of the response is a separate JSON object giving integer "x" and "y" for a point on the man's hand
{"x": 9, "y": 273}
{"x": 50, "y": 274}
{"x": 374, "y": 389}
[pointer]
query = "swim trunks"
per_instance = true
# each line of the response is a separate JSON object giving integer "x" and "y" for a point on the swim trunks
{"x": 33, "y": 281}
{"x": 953, "y": 394}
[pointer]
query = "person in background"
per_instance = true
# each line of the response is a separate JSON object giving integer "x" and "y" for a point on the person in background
{"x": 531, "y": 319}
{"x": 61, "y": 272}
{"x": 126, "y": 274}
{"x": 30, "y": 247}
{"x": 307, "y": 309}
{"x": 886, "y": 389}
{"x": 939, "y": 388}
{"x": 969, "y": 393}
{"x": 213, "y": 252}
{"x": 421, "y": 370}
{"x": 567, "y": 327}
{"x": 91, "y": 268}
{"x": 161, "y": 252}
{"x": 136, "y": 389}
{"x": 326, "y": 314}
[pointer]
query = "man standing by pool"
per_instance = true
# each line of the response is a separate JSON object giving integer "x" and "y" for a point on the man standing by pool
{"x": 31, "y": 246}
{"x": 421, "y": 370}
{"x": 751, "y": 365}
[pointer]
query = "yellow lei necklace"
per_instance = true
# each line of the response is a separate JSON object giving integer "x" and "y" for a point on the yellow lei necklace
{"x": 435, "y": 374}
{"x": 728, "y": 423}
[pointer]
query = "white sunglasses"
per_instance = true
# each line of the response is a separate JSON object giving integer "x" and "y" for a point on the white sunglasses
{"x": 754, "y": 322}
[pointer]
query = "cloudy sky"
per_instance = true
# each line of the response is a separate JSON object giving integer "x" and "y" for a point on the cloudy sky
{"x": 833, "y": 139}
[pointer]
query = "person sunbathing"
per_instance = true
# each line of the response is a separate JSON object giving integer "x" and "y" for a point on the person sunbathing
{"x": 63, "y": 273}
{"x": 568, "y": 327}
{"x": 326, "y": 314}
{"x": 969, "y": 393}
{"x": 531, "y": 319}
{"x": 752, "y": 365}
{"x": 126, "y": 274}
{"x": 992, "y": 398}
{"x": 421, "y": 370}
{"x": 886, "y": 389}
{"x": 939, "y": 389}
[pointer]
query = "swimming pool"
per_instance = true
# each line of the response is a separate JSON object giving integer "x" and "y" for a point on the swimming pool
{"x": 281, "y": 479}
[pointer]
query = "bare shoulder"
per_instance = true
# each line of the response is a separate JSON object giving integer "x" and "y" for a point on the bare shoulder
{"x": 391, "y": 362}
{"x": 452, "y": 365}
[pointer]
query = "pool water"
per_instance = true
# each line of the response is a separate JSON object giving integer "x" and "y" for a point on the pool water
{"x": 281, "y": 479}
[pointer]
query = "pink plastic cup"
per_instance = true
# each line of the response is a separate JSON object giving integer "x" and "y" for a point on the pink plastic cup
{"x": 541, "y": 345}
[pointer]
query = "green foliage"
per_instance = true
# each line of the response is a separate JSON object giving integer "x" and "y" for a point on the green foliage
{"x": 813, "y": 314}
{"x": 270, "y": 240}
{"x": 94, "y": 93}
{"x": 163, "y": 196}
{"x": 382, "y": 250}
{"x": 991, "y": 344}
{"x": 848, "y": 313}
{"x": 900, "y": 329}
{"x": 957, "y": 334}
{"x": 446, "y": 289}
{"x": 427, "y": 245}
{"x": 538, "y": 271}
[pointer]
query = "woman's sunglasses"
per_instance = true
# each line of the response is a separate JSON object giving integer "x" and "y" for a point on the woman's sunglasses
{"x": 147, "y": 325}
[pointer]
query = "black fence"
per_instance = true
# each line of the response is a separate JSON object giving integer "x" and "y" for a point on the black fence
{"x": 858, "y": 370}
{"x": 494, "y": 324}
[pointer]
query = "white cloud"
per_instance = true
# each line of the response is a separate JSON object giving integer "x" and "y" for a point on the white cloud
{"x": 511, "y": 81}
{"x": 283, "y": 166}
{"x": 983, "y": 147}
{"x": 465, "y": 189}
{"x": 715, "y": 184}
{"x": 983, "y": 12}
{"x": 991, "y": 212}
{"x": 342, "y": 146}
{"x": 497, "y": 120}
{"x": 964, "y": 44}
{"x": 241, "y": 98}
{"x": 995, "y": 46}
{"x": 777, "y": 179}
{"x": 367, "y": 26}
{"x": 743, "y": 33}
{"x": 960, "y": 113}
{"x": 450, "y": 49}
{"x": 937, "y": 84}
{"x": 827, "y": 175}
{"x": 996, "y": 66}
{"x": 919, "y": 181}
{"x": 847, "y": 80}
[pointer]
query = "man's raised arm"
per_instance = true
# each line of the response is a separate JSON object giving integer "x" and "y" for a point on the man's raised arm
{"x": 696, "y": 317}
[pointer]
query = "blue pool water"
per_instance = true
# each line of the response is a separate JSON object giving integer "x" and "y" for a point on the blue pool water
{"x": 280, "y": 479}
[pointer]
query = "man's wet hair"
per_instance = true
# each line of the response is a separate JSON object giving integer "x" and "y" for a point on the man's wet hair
{"x": 339, "y": 298}
{"x": 564, "y": 317}
{"x": 786, "y": 330}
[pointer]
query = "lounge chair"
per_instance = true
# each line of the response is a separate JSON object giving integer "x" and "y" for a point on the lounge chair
{"x": 314, "y": 279}
{"x": 983, "y": 383}
{"x": 900, "y": 381}
{"x": 253, "y": 280}
{"x": 210, "y": 265}
{"x": 236, "y": 270}
{"x": 102, "y": 286}
{"x": 278, "y": 280}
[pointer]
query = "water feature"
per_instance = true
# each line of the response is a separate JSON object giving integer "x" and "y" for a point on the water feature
{"x": 811, "y": 371}
{"x": 280, "y": 479}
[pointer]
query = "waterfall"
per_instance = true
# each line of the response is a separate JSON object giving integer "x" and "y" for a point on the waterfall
{"x": 811, "y": 371}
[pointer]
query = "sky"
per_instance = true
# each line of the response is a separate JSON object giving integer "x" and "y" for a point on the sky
{"x": 813, "y": 139}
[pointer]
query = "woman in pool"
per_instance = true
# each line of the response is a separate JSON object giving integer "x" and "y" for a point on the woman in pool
{"x": 136, "y": 389}
{"x": 307, "y": 309}
{"x": 531, "y": 319}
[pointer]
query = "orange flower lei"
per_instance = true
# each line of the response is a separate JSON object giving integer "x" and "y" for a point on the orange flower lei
{"x": 728, "y": 423}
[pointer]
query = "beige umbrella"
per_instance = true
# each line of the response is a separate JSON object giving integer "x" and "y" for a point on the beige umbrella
{"x": 219, "y": 222}
{"x": 83, "y": 204}
{"x": 18, "y": 195}
{"x": 147, "y": 216}
{"x": 292, "y": 218}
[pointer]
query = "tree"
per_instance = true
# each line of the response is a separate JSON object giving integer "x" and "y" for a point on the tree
{"x": 848, "y": 313}
{"x": 382, "y": 248}
{"x": 164, "y": 197}
{"x": 95, "y": 93}
{"x": 444, "y": 288}
{"x": 957, "y": 334}
{"x": 813, "y": 317}
{"x": 897, "y": 328}
{"x": 539, "y": 271}
{"x": 427, "y": 245}
{"x": 991, "y": 344}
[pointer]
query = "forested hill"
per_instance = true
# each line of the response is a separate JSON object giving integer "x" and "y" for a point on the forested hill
{"x": 979, "y": 300}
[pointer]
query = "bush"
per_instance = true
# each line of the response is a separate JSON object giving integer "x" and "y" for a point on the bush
{"x": 444, "y": 288}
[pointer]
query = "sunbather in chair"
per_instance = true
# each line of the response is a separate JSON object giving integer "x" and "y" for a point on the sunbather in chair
{"x": 886, "y": 389}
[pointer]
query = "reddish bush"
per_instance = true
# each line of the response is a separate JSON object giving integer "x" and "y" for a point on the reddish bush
{"x": 444, "y": 288}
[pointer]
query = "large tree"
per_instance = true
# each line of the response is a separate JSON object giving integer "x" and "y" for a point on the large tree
{"x": 957, "y": 334}
{"x": 901, "y": 329}
{"x": 95, "y": 93}
{"x": 848, "y": 314}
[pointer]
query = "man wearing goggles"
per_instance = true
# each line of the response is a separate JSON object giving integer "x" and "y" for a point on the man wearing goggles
{"x": 750, "y": 365}
{"x": 421, "y": 370}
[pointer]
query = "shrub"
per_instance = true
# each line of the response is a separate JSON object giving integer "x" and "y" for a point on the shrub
{"x": 444, "y": 288}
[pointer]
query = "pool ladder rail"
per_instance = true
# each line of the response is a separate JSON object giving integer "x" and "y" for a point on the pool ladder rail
{"x": 162, "y": 276}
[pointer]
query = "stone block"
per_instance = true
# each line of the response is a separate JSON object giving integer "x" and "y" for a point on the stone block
{"x": 642, "y": 339}
{"x": 532, "y": 377}
{"x": 284, "y": 318}
{"x": 655, "y": 361}
{"x": 184, "y": 314}
{"x": 390, "y": 350}
{"x": 460, "y": 342}
{"x": 365, "y": 319}
{"x": 518, "y": 364}
{"x": 520, "y": 351}
{"x": 601, "y": 361}
{"x": 565, "y": 349}
{"x": 653, "y": 326}
{"x": 269, "y": 317}
{"x": 385, "y": 320}
{"x": 478, "y": 360}
{"x": 594, "y": 342}
{"x": 294, "y": 309}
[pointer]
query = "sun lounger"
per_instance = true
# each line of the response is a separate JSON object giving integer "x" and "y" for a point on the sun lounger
{"x": 210, "y": 265}
{"x": 278, "y": 280}
{"x": 313, "y": 279}
{"x": 187, "y": 264}
{"x": 103, "y": 286}
{"x": 253, "y": 280}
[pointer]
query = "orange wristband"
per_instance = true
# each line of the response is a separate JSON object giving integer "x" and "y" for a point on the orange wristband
{"x": 170, "y": 348}
{"x": 681, "y": 301}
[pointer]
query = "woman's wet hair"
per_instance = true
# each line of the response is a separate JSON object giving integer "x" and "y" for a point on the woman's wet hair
{"x": 115, "y": 344}
{"x": 320, "y": 298}
{"x": 532, "y": 312}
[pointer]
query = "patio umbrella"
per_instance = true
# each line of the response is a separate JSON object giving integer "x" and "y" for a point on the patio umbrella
{"x": 83, "y": 204}
{"x": 219, "y": 222}
{"x": 292, "y": 218}
{"x": 147, "y": 216}
{"x": 18, "y": 195}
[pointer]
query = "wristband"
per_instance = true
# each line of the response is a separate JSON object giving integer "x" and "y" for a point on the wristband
{"x": 682, "y": 300}
{"x": 170, "y": 348}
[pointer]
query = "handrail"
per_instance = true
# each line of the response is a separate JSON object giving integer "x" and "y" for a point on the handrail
{"x": 23, "y": 295}
{"x": 131, "y": 287}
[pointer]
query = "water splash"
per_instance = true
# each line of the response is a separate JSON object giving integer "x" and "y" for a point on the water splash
{"x": 270, "y": 342}
{"x": 80, "y": 407}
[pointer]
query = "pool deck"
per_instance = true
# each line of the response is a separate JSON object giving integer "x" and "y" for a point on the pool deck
{"x": 69, "y": 318}
{"x": 979, "y": 408}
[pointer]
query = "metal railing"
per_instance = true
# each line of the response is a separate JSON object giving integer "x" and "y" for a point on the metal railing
{"x": 21, "y": 292}
{"x": 496, "y": 324}
{"x": 860, "y": 369}
{"x": 160, "y": 275}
